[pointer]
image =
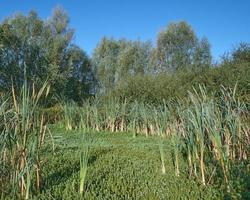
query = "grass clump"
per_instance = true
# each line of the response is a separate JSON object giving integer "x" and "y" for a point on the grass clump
{"x": 22, "y": 135}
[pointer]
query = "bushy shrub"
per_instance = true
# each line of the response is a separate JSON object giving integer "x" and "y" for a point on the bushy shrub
{"x": 53, "y": 114}
{"x": 154, "y": 88}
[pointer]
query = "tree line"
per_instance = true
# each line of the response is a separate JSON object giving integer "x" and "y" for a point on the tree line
{"x": 44, "y": 50}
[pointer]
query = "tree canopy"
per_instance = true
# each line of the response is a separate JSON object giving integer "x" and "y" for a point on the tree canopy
{"x": 178, "y": 47}
{"x": 45, "y": 49}
{"x": 115, "y": 60}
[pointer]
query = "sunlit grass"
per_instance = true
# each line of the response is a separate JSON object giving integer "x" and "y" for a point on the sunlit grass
{"x": 22, "y": 134}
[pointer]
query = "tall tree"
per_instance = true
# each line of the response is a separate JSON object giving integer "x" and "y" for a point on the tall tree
{"x": 20, "y": 40}
{"x": 114, "y": 60}
{"x": 105, "y": 61}
{"x": 134, "y": 58}
{"x": 44, "y": 48}
{"x": 178, "y": 47}
{"x": 80, "y": 81}
{"x": 202, "y": 54}
{"x": 241, "y": 53}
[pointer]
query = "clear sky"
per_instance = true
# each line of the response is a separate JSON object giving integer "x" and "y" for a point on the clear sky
{"x": 224, "y": 22}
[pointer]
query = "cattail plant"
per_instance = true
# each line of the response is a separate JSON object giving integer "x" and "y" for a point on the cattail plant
{"x": 84, "y": 157}
{"x": 161, "y": 150}
{"x": 23, "y": 134}
{"x": 143, "y": 113}
{"x": 70, "y": 115}
{"x": 134, "y": 118}
{"x": 111, "y": 110}
{"x": 176, "y": 145}
{"x": 96, "y": 119}
{"x": 213, "y": 130}
{"x": 123, "y": 116}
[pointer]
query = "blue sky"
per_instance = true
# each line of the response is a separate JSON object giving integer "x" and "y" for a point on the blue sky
{"x": 224, "y": 22}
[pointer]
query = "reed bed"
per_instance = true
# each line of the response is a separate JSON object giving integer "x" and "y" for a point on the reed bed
{"x": 207, "y": 131}
{"x": 115, "y": 116}
{"x": 210, "y": 133}
{"x": 213, "y": 134}
{"x": 22, "y": 135}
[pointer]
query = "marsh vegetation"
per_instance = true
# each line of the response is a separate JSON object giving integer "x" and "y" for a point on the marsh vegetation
{"x": 134, "y": 121}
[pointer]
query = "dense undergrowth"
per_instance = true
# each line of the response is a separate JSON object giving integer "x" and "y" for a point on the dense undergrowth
{"x": 210, "y": 134}
{"x": 137, "y": 122}
{"x": 196, "y": 147}
{"x": 120, "y": 167}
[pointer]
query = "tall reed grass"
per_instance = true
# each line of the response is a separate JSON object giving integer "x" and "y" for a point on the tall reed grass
{"x": 84, "y": 157}
{"x": 214, "y": 131}
{"x": 22, "y": 134}
{"x": 204, "y": 129}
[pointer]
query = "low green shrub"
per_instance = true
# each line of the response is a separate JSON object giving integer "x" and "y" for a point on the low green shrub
{"x": 53, "y": 114}
{"x": 120, "y": 167}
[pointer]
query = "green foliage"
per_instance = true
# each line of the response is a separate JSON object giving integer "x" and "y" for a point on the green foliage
{"x": 202, "y": 55}
{"x": 207, "y": 131}
{"x": 241, "y": 53}
{"x": 178, "y": 48}
{"x": 214, "y": 132}
{"x": 45, "y": 47}
{"x": 204, "y": 134}
{"x": 84, "y": 158}
{"x": 115, "y": 60}
{"x": 53, "y": 114}
{"x": 120, "y": 167}
{"x": 208, "y": 138}
{"x": 153, "y": 89}
{"x": 22, "y": 135}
